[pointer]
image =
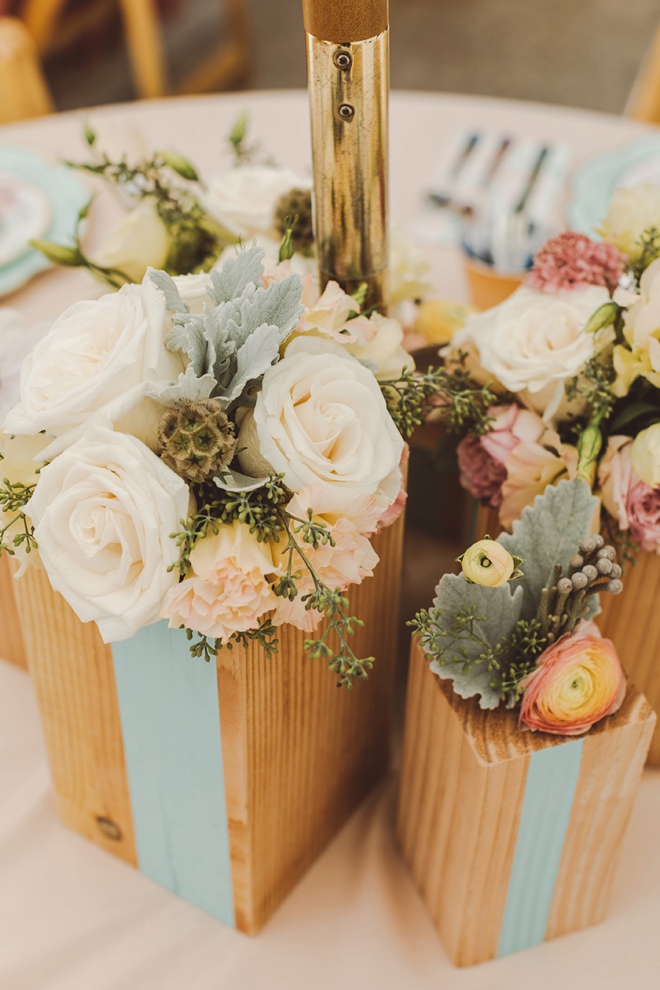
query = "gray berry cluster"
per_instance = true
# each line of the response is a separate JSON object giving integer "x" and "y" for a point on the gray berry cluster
{"x": 591, "y": 570}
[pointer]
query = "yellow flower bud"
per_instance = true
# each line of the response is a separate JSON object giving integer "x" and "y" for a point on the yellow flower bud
{"x": 487, "y": 563}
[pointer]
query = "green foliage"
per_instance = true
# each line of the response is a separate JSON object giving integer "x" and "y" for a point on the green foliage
{"x": 264, "y": 636}
{"x": 650, "y": 242}
{"x": 547, "y": 535}
{"x": 463, "y": 405}
{"x": 13, "y": 497}
{"x": 594, "y": 386}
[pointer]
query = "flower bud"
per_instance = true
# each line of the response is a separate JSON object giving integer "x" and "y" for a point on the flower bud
{"x": 70, "y": 257}
{"x": 564, "y": 586}
{"x": 587, "y": 545}
{"x": 487, "y": 563}
{"x": 599, "y": 541}
{"x": 589, "y": 445}
{"x": 616, "y": 571}
{"x": 579, "y": 580}
{"x": 590, "y": 572}
{"x": 604, "y": 316}
{"x": 604, "y": 566}
{"x": 615, "y": 587}
{"x": 180, "y": 165}
{"x": 576, "y": 562}
{"x": 608, "y": 552}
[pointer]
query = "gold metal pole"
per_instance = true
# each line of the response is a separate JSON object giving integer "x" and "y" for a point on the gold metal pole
{"x": 348, "y": 68}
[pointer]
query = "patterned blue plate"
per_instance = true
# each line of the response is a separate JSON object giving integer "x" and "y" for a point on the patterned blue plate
{"x": 66, "y": 194}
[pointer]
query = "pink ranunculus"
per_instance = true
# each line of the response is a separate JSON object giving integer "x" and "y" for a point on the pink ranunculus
{"x": 511, "y": 425}
{"x": 633, "y": 503}
{"x": 480, "y": 473}
{"x": 349, "y": 561}
{"x": 577, "y": 681}
{"x": 229, "y": 588}
{"x": 573, "y": 261}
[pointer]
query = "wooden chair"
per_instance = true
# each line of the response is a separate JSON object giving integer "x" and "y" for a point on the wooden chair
{"x": 23, "y": 89}
{"x": 228, "y": 66}
{"x": 644, "y": 100}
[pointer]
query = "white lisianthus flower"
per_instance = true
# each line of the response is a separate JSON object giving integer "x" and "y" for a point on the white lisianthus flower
{"x": 321, "y": 417}
{"x": 244, "y": 199}
{"x": 408, "y": 269}
{"x": 99, "y": 359}
{"x": 103, "y": 513}
{"x": 382, "y": 345}
{"x": 533, "y": 342}
{"x": 646, "y": 455}
{"x": 139, "y": 241}
{"x": 631, "y": 212}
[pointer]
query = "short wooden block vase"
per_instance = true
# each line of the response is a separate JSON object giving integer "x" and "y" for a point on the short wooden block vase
{"x": 221, "y": 782}
{"x": 12, "y": 647}
{"x": 512, "y": 837}
{"x": 628, "y": 619}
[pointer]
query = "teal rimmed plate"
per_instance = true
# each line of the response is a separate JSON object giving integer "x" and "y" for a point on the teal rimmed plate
{"x": 66, "y": 196}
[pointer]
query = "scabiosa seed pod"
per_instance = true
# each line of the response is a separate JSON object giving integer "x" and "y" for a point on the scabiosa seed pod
{"x": 197, "y": 439}
{"x": 296, "y": 202}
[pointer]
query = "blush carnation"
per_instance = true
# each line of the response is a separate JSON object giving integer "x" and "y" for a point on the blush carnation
{"x": 573, "y": 261}
{"x": 578, "y": 680}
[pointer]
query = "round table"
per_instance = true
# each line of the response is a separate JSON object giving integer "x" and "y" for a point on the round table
{"x": 73, "y": 918}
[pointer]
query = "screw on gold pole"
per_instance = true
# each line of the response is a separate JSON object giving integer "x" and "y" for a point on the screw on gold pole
{"x": 348, "y": 68}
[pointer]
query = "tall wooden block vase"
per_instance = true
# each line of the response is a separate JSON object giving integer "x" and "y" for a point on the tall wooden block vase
{"x": 512, "y": 837}
{"x": 12, "y": 647}
{"x": 628, "y": 619}
{"x": 221, "y": 782}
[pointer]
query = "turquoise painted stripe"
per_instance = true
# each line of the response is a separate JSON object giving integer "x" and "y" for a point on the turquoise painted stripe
{"x": 549, "y": 792}
{"x": 170, "y": 720}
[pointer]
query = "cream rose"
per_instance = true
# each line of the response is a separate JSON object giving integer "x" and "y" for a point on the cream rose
{"x": 98, "y": 359}
{"x": 193, "y": 290}
{"x": 103, "y": 513}
{"x": 646, "y": 456}
{"x": 244, "y": 199}
{"x": 320, "y": 416}
{"x": 139, "y": 241}
{"x": 534, "y": 342}
{"x": 642, "y": 332}
{"x": 631, "y": 212}
{"x": 229, "y": 588}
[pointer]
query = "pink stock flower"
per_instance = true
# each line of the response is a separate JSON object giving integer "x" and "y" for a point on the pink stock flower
{"x": 578, "y": 680}
{"x": 634, "y": 504}
{"x": 348, "y": 562}
{"x": 573, "y": 261}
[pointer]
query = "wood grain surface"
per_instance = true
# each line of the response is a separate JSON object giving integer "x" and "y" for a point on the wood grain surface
{"x": 12, "y": 647}
{"x": 630, "y": 620}
{"x": 462, "y": 789}
{"x": 343, "y": 21}
{"x": 73, "y": 677}
{"x": 300, "y": 754}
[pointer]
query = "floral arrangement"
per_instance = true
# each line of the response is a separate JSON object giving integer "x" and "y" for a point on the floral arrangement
{"x": 573, "y": 357}
{"x": 515, "y": 626}
{"x": 214, "y": 449}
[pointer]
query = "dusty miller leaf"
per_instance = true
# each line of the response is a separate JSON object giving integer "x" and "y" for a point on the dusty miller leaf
{"x": 253, "y": 358}
{"x": 166, "y": 284}
{"x": 236, "y": 275}
{"x": 501, "y": 608}
{"x": 548, "y": 533}
{"x": 187, "y": 386}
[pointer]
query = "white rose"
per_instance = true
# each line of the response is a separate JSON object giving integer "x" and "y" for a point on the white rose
{"x": 534, "y": 342}
{"x": 103, "y": 513}
{"x": 244, "y": 199}
{"x": 320, "y": 416}
{"x": 139, "y": 241}
{"x": 631, "y": 212}
{"x": 382, "y": 346}
{"x": 98, "y": 359}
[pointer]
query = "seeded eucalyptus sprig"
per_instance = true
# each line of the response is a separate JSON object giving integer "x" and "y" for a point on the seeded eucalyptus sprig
{"x": 13, "y": 497}
{"x": 462, "y": 403}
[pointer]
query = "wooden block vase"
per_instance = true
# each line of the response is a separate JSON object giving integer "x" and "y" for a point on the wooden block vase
{"x": 12, "y": 647}
{"x": 222, "y": 782}
{"x": 628, "y": 619}
{"x": 512, "y": 837}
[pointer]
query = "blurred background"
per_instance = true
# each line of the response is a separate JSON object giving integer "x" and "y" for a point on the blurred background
{"x": 582, "y": 53}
